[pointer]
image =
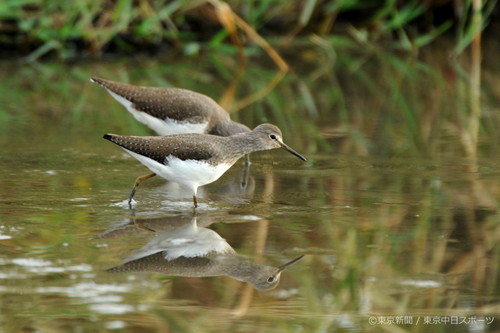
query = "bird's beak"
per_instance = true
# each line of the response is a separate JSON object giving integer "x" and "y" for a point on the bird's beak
{"x": 288, "y": 264}
{"x": 290, "y": 150}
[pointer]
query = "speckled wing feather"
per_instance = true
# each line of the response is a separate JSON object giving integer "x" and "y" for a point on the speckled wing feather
{"x": 174, "y": 103}
{"x": 183, "y": 266}
{"x": 184, "y": 147}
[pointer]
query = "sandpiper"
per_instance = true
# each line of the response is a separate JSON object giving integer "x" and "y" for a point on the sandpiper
{"x": 195, "y": 160}
{"x": 170, "y": 111}
{"x": 189, "y": 249}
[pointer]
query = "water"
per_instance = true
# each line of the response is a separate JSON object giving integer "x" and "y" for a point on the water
{"x": 399, "y": 227}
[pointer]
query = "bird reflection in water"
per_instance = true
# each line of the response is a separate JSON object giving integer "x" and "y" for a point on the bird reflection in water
{"x": 184, "y": 247}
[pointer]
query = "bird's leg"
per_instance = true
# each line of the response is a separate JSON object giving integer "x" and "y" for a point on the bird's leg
{"x": 246, "y": 175}
{"x": 136, "y": 184}
{"x": 195, "y": 201}
{"x": 247, "y": 160}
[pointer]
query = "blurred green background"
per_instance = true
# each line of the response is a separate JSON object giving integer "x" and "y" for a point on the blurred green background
{"x": 91, "y": 28}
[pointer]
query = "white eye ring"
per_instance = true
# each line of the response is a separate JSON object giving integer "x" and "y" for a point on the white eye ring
{"x": 270, "y": 279}
{"x": 273, "y": 137}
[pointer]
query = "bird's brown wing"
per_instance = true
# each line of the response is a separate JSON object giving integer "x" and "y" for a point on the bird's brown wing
{"x": 158, "y": 148}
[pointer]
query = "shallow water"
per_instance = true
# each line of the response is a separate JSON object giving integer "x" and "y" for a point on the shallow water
{"x": 399, "y": 228}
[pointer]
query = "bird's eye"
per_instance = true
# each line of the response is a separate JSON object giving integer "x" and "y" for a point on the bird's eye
{"x": 270, "y": 279}
{"x": 272, "y": 137}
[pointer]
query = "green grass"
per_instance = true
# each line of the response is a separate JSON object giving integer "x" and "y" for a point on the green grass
{"x": 83, "y": 28}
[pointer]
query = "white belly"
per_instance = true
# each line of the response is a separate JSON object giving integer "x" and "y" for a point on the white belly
{"x": 187, "y": 241}
{"x": 161, "y": 126}
{"x": 190, "y": 173}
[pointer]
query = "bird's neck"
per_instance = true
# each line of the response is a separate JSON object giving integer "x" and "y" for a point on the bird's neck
{"x": 246, "y": 143}
{"x": 241, "y": 269}
{"x": 229, "y": 127}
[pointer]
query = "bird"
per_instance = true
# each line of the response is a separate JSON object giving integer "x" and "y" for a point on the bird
{"x": 185, "y": 248}
{"x": 194, "y": 160}
{"x": 169, "y": 111}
